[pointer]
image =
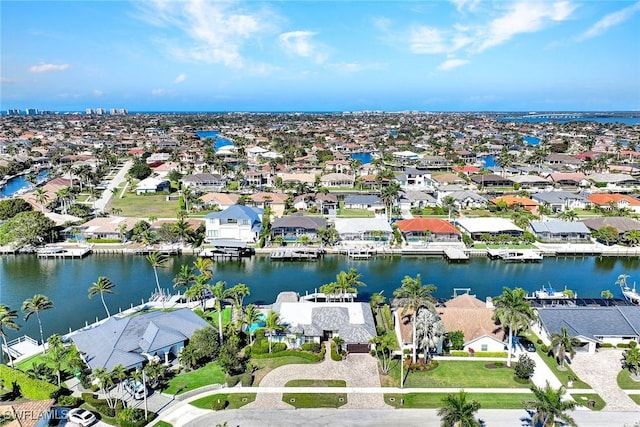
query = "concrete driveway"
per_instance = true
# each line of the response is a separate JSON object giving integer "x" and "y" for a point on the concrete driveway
{"x": 599, "y": 370}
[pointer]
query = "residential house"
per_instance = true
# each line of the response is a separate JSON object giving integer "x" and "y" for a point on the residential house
{"x": 557, "y": 231}
{"x": 409, "y": 199}
{"x": 565, "y": 160}
{"x": 113, "y": 227}
{"x": 613, "y": 181}
{"x": 463, "y": 200}
{"x": 532, "y": 182}
{"x": 622, "y": 224}
{"x": 274, "y": 201}
{"x": 429, "y": 230}
{"x": 365, "y": 229}
{"x": 237, "y": 222}
{"x": 476, "y": 227}
{"x": 491, "y": 180}
{"x": 370, "y": 202}
{"x": 323, "y": 203}
{"x": 152, "y": 185}
{"x": 293, "y": 227}
{"x": 619, "y": 201}
{"x": 560, "y": 201}
{"x": 258, "y": 179}
{"x": 514, "y": 201}
{"x": 220, "y": 200}
{"x": 405, "y": 156}
{"x": 434, "y": 162}
{"x": 415, "y": 179}
{"x": 135, "y": 340}
{"x": 333, "y": 180}
{"x": 593, "y": 326}
{"x": 203, "y": 182}
{"x": 28, "y": 413}
{"x": 574, "y": 179}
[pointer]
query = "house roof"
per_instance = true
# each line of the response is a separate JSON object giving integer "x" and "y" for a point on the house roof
{"x": 220, "y": 198}
{"x": 557, "y": 197}
{"x": 238, "y": 212}
{"x": 434, "y": 225}
{"x": 606, "y": 198}
{"x": 362, "y": 199}
{"x": 121, "y": 341}
{"x": 592, "y": 322}
{"x": 612, "y": 178}
{"x": 487, "y": 225}
{"x": 468, "y": 314}
{"x": 564, "y": 176}
{"x": 557, "y": 227}
{"x": 26, "y": 414}
{"x": 621, "y": 224}
{"x": 300, "y": 221}
{"x": 360, "y": 225}
{"x": 202, "y": 178}
{"x": 511, "y": 200}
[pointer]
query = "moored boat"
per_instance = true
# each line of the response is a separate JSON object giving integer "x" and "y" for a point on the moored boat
{"x": 629, "y": 293}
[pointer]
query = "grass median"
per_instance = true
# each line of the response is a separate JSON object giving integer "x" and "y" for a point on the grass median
{"x": 310, "y": 400}
{"x": 434, "y": 400}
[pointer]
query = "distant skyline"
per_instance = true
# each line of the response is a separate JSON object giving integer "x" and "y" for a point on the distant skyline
{"x": 196, "y": 55}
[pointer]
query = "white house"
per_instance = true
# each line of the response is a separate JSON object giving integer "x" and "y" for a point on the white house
{"x": 152, "y": 185}
{"x": 237, "y": 222}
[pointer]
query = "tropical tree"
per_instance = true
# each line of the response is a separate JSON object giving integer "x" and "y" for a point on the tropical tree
{"x": 106, "y": 384}
{"x": 199, "y": 290}
{"x": 41, "y": 197}
{"x": 430, "y": 331}
{"x": 56, "y": 354}
{"x": 237, "y": 294}
{"x": 184, "y": 278}
{"x": 631, "y": 358}
{"x": 622, "y": 280}
{"x": 514, "y": 313}
{"x": 102, "y": 286}
{"x": 273, "y": 324}
{"x": 607, "y": 234}
{"x": 561, "y": 344}
{"x": 632, "y": 237}
{"x": 383, "y": 350}
{"x": 389, "y": 196}
{"x": 339, "y": 342}
{"x": 568, "y": 215}
{"x": 410, "y": 296}
{"x": 7, "y": 321}
{"x": 376, "y": 300}
{"x": 457, "y": 411}
{"x": 158, "y": 260}
{"x": 204, "y": 267}
{"x": 606, "y": 294}
{"x": 34, "y": 306}
{"x": 251, "y": 316}
{"x": 549, "y": 405}
{"x": 221, "y": 294}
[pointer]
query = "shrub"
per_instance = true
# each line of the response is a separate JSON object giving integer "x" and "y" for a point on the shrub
{"x": 312, "y": 347}
{"x": 233, "y": 380}
{"x": 622, "y": 345}
{"x": 309, "y": 356}
{"x": 606, "y": 345}
{"x": 29, "y": 387}
{"x": 219, "y": 404}
{"x": 335, "y": 356}
{"x": 544, "y": 348}
{"x": 246, "y": 379}
{"x": 632, "y": 344}
{"x": 71, "y": 401}
{"x": 525, "y": 367}
{"x": 277, "y": 347}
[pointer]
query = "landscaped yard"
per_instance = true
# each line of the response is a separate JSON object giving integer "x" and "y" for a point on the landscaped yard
{"x": 236, "y": 400}
{"x": 467, "y": 374}
{"x": 635, "y": 398}
{"x": 143, "y": 206}
{"x": 264, "y": 366}
{"x": 207, "y": 375}
{"x": 584, "y": 398}
{"x": 434, "y": 400}
{"x": 320, "y": 400}
{"x": 212, "y": 316}
{"x": 316, "y": 383}
{"x": 625, "y": 382}
{"x": 355, "y": 213}
{"x": 26, "y": 364}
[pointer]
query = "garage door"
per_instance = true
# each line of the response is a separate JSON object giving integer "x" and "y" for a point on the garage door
{"x": 357, "y": 348}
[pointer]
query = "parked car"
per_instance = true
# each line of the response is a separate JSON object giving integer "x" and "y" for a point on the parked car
{"x": 81, "y": 416}
{"x": 135, "y": 388}
{"x": 527, "y": 344}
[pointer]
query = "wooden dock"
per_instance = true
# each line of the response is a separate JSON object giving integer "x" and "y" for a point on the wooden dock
{"x": 65, "y": 253}
{"x": 298, "y": 254}
{"x": 455, "y": 255}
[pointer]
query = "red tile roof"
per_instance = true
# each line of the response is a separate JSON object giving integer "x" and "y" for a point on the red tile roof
{"x": 434, "y": 225}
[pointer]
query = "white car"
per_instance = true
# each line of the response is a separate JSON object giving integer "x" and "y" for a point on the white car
{"x": 135, "y": 388}
{"x": 81, "y": 416}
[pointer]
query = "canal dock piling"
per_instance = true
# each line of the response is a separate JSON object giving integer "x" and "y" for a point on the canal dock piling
{"x": 297, "y": 254}
{"x": 455, "y": 255}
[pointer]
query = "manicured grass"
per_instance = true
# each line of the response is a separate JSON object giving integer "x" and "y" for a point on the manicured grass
{"x": 316, "y": 383}
{"x": 584, "y": 398}
{"x": 26, "y": 364}
{"x": 635, "y": 398}
{"x": 467, "y": 374}
{"x": 162, "y": 424}
{"x": 355, "y": 213}
{"x": 550, "y": 361}
{"x": 434, "y": 400}
{"x": 236, "y": 400}
{"x": 264, "y": 366}
{"x": 322, "y": 400}
{"x": 208, "y": 374}
{"x": 143, "y": 206}
{"x": 212, "y": 316}
{"x": 625, "y": 382}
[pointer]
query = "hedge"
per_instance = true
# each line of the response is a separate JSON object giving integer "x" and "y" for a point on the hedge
{"x": 30, "y": 388}
{"x": 309, "y": 356}
{"x": 457, "y": 353}
{"x": 246, "y": 379}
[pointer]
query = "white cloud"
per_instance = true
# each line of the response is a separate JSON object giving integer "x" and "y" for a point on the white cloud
{"x": 45, "y": 68}
{"x": 354, "y": 67}
{"x": 610, "y": 20}
{"x": 524, "y": 17}
{"x": 462, "y": 4}
{"x": 180, "y": 78}
{"x": 427, "y": 40}
{"x": 300, "y": 43}
{"x": 215, "y": 32}
{"x": 158, "y": 92}
{"x": 97, "y": 93}
{"x": 452, "y": 63}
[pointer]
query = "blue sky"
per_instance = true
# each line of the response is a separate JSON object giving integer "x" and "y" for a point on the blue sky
{"x": 459, "y": 55}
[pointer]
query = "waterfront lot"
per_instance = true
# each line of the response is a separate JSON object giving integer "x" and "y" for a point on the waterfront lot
{"x": 143, "y": 206}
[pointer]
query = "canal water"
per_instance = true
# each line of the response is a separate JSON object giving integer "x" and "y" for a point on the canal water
{"x": 19, "y": 183}
{"x": 66, "y": 281}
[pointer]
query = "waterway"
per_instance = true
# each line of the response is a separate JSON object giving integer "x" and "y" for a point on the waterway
{"x": 66, "y": 281}
{"x": 624, "y": 120}
{"x": 219, "y": 141}
{"x": 19, "y": 183}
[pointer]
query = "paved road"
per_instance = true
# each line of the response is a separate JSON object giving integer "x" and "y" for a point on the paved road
{"x": 390, "y": 417}
{"x": 102, "y": 202}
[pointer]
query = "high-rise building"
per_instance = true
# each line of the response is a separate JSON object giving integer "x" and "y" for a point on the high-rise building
{"x": 31, "y": 111}
{"x": 100, "y": 111}
{"x": 88, "y": 111}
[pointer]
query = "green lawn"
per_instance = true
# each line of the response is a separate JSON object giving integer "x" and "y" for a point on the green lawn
{"x": 308, "y": 400}
{"x": 162, "y": 424}
{"x": 635, "y": 398}
{"x": 236, "y": 400}
{"x": 584, "y": 398}
{"x": 316, "y": 383}
{"x": 208, "y": 374}
{"x": 625, "y": 382}
{"x": 212, "y": 316}
{"x": 467, "y": 374}
{"x": 355, "y": 213}
{"x": 264, "y": 366}
{"x": 434, "y": 400}
{"x": 143, "y": 206}
{"x": 26, "y": 364}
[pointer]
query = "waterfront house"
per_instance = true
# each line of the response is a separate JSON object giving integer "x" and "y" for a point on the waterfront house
{"x": 532, "y": 182}
{"x": 621, "y": 224}
{"x": 415, "y": 199}
{"x": 202, "y": 182}
{"x": 237, "y": 222}
{"x": 434, "y": 162}
{"x": 152, "y": 185}
{"x": 613, "y": 181}
{"x": 562, "y": 200}
{"x": 415, "y": 179}
{"x": 370, "y": 202}
{"x": 619, "y": 201}
{"x": 113, "y": 227}
{"x": 333, "y": 180}
{"x": 491, "y": 180}
{"x": 132, "y": 341}
{"x": 323, "y": 203}
{"x": 463, "y": 199}
{"x": 220, "y": 200}
{"x": 321, "y": 321}
{"x": 515, "y": 201}
{"x": 364, "y": 229}
{"x": 428, "y": 230}
{"x": 293, "y": 227}
{"x": 570, "y": 180}
{"x": 477, "y": 227}
{"x": 557, "y": 231}
{"x": 593, "y": 326}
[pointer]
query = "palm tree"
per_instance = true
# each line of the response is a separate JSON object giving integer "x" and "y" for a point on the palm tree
{"x": 376, "y": 300}
{"x": 184, "y": 278}
{"x": 34, "y": 306}
{"x": 549, "y": 405}
{"x": 220, "y": 294}
{"x": 57, "y": 354}
{"x": 237, "y": 294}
{"x": 412, "y": 295}
{"x": 458, "y": 412}
{"x": 102, "y": 286}
{"x": 273, "y": 325}
{"x": 430, "y": 331}
{"x": 632, "y": 237}
{"x": 561, "y": 344}
{"x": 7, "y": 321}
{"x": 384, "y": 348}
{"x": 251, "y": 315}
{"x": 632, "y": 362}
{"x": 41, "y": 197}
{"x": 339, "y": 342}
{"x": 569, "y": 215}
{"x": 158, "y": 260}
{"x": 204, "y": 267}
{"x": 514, "y": 313}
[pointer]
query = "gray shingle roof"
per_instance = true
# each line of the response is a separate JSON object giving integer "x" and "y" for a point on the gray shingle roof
{"x": 556, "y": 227}
{"x": 300, "y": 221}
{"x": 592, "y": 322}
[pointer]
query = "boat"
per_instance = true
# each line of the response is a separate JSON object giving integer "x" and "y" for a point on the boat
{"x": 49, "y": 250}
{"x": 515, "y": 255}
{"x": 629, "y": 293}
{"x": 548, "y": 292}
